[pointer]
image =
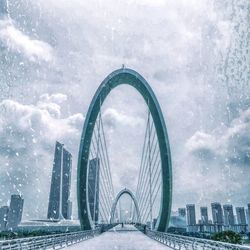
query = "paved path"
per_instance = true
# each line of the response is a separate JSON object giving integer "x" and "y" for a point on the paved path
{"x": 127, "y": 238}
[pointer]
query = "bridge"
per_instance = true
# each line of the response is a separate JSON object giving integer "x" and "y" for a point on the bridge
{"x": 101, "y": 225}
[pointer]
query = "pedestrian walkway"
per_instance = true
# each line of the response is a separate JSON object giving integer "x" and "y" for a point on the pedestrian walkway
{"x": 118, "y": 238}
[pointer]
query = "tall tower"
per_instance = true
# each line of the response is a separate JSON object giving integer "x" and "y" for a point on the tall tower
{"x": 241, "y": 216}
{"x": 204, "y": 215}
{"x": 93, "y": 188}
{"x": 15, "y": 211}
{"x": 228, "y": 215}
{"x": 182, "y": 212}
{"x": 66, "y": 182}
{"x": 248, "y": 214}
{"x": 191, "y": 218}
{"x": 60, "y": 184}
{"x": 217, "y": 214}
{"x": 3, "y": 217}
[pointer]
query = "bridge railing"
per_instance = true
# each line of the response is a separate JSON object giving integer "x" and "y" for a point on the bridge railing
{"x": 55, "y": 241}
{"x": 184, "y": 242}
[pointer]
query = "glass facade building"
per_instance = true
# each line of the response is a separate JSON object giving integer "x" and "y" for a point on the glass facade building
{"x": 3, "y": 217}
{"x": 15, "y": 211}
{"x": 191, "y": 218}
{"x": 60, "y": 184}
{"x": 228, "y": 215}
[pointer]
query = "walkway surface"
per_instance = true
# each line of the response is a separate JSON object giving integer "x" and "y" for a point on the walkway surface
{"x": 126, "y": 238}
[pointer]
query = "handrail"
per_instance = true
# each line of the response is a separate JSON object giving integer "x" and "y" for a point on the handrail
{"x": 185, "y": 242}
{"x": 54, "y": 241}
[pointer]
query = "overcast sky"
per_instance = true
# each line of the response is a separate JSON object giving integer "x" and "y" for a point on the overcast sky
{"x": 53, "y": 56}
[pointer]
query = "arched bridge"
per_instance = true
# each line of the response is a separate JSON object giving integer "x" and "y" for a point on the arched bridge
{"x": 95, "y": 190}
{"x": 119, "y": 195}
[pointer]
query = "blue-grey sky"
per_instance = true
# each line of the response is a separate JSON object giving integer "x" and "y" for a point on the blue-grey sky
{"x": 53, "y": 56}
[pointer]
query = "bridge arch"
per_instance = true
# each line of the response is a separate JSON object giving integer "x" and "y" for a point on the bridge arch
{"x": 122, "y": 192}
{"x": 134, "y": 79}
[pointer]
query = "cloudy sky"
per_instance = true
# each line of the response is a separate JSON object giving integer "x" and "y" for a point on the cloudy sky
{"x": 53, "y": 56}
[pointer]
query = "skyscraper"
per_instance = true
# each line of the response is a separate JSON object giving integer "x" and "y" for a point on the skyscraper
{"x": 3, "y": 217}
{"x": 60, "y": 184}
{"x": 204, "y": 215}
{"x": 241, "y": 216}
{"x": 15, "y": 211}
{"x": 248, "y": 217}
{"x": 217, "y": 213}
{"x": 66, "y": 182}
{"x": 191, "y": 218}
{"x": 228, "y": 215}
{"x": 182, "y": 212}
{"x": 93, "y": 188}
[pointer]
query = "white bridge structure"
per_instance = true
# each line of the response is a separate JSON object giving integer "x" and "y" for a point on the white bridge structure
{"x": 122, "y": 238}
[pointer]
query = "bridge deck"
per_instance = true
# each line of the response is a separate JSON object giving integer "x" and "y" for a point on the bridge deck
{"x": 127, "y": 238}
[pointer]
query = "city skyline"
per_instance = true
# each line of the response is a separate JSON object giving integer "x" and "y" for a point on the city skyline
{"x": 43, "y": 99}
{"x": 217, "y": 213}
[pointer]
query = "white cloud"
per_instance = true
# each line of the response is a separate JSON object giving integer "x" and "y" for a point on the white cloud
{"x": 28, "y": 135}
{"x": 114, "y": 118}
{"x": 229, "y": 144}
{"x": 218, "y": 162}
{"x": 201, "y": 143}
{"x": 57, "y": 98}
{"x": 16, "y": 41}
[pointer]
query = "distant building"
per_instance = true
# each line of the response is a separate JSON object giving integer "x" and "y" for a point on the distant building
{"x": 3, "y": 217}
{"x": 241, "y": 216}
{"x": 248, "y": 217}
{"x": 15, "y": 211}
{"x": 93, "y": 188}
{"x": 217, "y": 213}
{"x": 191, "y": 218}
{"x": 204, "y": 215}
{"x": 60, "y": 184}
{"x": 228, "y": 215}
{"x": 217, "y": 216}
{"x": 66, "y": 182}
{"x": 182, "y": 212}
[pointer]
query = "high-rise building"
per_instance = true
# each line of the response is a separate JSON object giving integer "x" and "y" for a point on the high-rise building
{"x": 182, "y": 212}
{"x": 204, "y": 215}
{"x": 191, "y": 218}
{"x": 3, "y": 217}
{"x": 228, "y": 215}
{"x": 217, "y": 213}
{"x": 241, "y": 216}
{"x": 15, "y": 211}
{"x": 66, "y": 182}
{"x": 248, "y": 217}
{"x": 60, "y": 184}
{"x": 93, "y": 188}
